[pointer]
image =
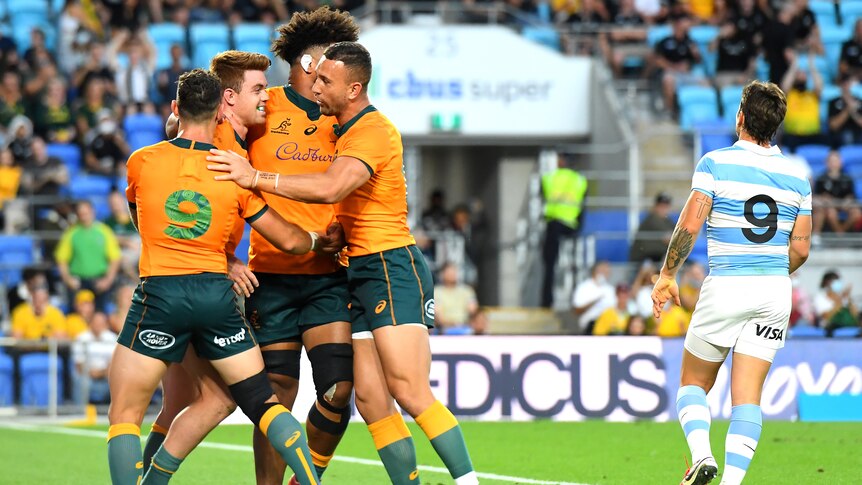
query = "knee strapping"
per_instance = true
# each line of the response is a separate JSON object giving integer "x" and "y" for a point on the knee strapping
{"x": 282, "y": 362}
{"x": 321, "y": 422}
{"x": 251, "y": 395}
{"x": 330, "y": 364}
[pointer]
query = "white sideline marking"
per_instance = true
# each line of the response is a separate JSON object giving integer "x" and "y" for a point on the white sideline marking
{"x": 248, "y": 449}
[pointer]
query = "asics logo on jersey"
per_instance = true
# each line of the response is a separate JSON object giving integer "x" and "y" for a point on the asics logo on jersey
{"x": 290, "y": 441}
{"x": 310, "y": 130}
{"x": 381, "y": 305}
{"x": 224, "y": 341}
{"x": 156, "y": 340}
{"x": 769, "y": 333}
{"x": 292, "y": 151}
{"x": 282, "y": 127}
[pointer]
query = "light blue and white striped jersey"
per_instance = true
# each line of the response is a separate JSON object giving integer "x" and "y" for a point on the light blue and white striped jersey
{"x": 756, "y": 195}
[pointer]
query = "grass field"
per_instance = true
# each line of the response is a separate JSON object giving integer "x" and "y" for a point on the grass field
{"x": 504, "y": 453}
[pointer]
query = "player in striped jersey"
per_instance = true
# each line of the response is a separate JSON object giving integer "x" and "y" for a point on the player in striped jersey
{"x": 757, "y": 206}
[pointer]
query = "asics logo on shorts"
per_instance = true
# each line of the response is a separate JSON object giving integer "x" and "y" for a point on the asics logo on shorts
{"x": 223, "y": 341}
{"x": 769, "y": 333}
{"x": 156, "y": 340}
{"x": 381, "y": 305}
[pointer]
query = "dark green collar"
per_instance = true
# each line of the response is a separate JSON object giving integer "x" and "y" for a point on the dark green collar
{"x": 189, "y": 144}
{"x": 240, "y": 140}
{"x": 340, "y": 130}
{"x": 311, "y": 108}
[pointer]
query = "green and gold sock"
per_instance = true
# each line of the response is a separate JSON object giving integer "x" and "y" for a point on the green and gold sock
{"x": 154, "y": 441}
{"x": 125, "y": 460}
{"x": 163, "y": 467}
{"x": 395, "y": 446}
{"x": 442, "y": 429}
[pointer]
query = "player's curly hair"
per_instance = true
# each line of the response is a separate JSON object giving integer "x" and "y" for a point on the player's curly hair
{"x": 764, "y": 106}
{"x": 320, "y": 27}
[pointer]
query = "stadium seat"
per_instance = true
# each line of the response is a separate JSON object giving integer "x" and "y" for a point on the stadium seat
{"x": 69, "y": 154}
{"x": 824, "y": 10}
{"x": 696, "y": 104}
{"x": 815, "y": 155}
{"x": 253, "y": 38}
{"x": 851, "y": 155}
{"x": 702, "y": 35}
{"x": 822, "y": 65}
{"x": 847, "y": 332}
{"x": 165, "y": 35}
{"x": 16, "y": 252}
{"x": 658, "y": 32}
{"x": 806, "y": 331}
{"x": 21, "y": 33}
{"x": 833, "y": 37}
{"x": 610, "y": 228}
{"x": 714, "y": 141}
{"x": 730, "y": 96}
{"x": 850, "y": 13}
{"x": 34, "y": 379}
{"x": 143, "y": 129}
{"x": 94, "y": 188}
{"x": 19, "y": 8}
{"x": 139, "y": 139}
{"x": 6, "y": 386}
{"x": 242, "y": 248}
{"x": 206, "y": 41}
{"x": 546, "y": 36}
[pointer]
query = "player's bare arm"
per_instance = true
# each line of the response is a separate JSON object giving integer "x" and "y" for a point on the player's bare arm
{"x": 691, "y": 219}
{"x": 800, "y": 242}
{"x": 345, "y": 175}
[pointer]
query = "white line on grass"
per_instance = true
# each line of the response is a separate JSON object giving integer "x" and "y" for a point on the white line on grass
{"x": 248, "y": 449}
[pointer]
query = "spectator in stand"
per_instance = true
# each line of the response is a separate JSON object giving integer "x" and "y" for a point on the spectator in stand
{"x": 107, "y": 152}
{"x": 11, "y": 99}
{"x": 37, "y": 53}
{"x": 676, "y": 56}
{"x": 845, "y": 115}
{"x": 749, "y": 19}
{"x": 593, "y": 296}
{"x": 88, "y": 109}
{"x": 690, "y": 285}
{"x": 851, "y": 53}
{"x": 20, "y": 139}
{"x": 636, "y": 326}
{"x": 806, "y": 30}
{"x": 166, "y": 79}
{"x": 642, "y": 291}
{"x": 10, "y": 180}
{"x": 31, "y": 278}
{"x": 96, "y": 66}
{"x": 52, "y": 118}
{"x": 74, "y": 23}
{"x": 78, "y": 321}
{"x": 834, "y": 197}
{"x": 120, "y": 222}
{"x": 38, "y": 319}
{"x": 615, "y": 320}
{"x": 436, "y": 218}
{"x": 88, "y": 255}
{"x": 674, "y": 321}
{"x": 92, "y": 352}
{"x": 125, "y": 15}
{"x": 43, "y": 174}
{"x": 133, "y": 80}
{"x": 802, "y": 307}
{"x": 778, "y": 41}
{"x": 36, "y": 82}
{"x": 833, "y": 305}
{"x": 654, "y": 232}
{"x": 736, "y": 56}
{"x": 455, "y": 304}
{"x": 470, "y": 225}
{"x": 626, "y": 37}
{"x": 802, "y": 122}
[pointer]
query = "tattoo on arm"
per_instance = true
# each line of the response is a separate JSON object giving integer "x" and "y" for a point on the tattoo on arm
{"x": 800, "y": 238}
{"x": 267, "y": 176}
{"x": 702, "y": 202}
{"x": 679, "y": 248}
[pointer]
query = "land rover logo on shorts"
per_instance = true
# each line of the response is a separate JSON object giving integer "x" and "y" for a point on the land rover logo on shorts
{"x": 156, "y": 340}
{"x": 429, "y": 308}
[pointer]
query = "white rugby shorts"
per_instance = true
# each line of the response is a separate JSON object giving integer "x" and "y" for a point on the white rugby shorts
{"x": 748, "y": 313}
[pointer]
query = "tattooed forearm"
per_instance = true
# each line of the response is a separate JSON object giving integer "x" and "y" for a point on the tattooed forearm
{"x": 800, "y": 238}
{"x": 678, "y": 249}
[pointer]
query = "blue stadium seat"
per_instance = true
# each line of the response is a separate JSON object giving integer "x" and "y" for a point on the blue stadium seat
{"x": 605, "y": 220}
{"x": 16, "y": 252}
{"x": 850, "y": 13}
{"x": 207, "y": 40}
{"x": 824, "y": 10}
{"x": 815, "y": 155}
{"x": 702, "y": 35}
{"x": 830, "y": 92}
{"x": 847, "y": 332}
{"x": 833, "y": 37}
{"x": 143, "y": 129}
{"x": 546, "y": 36}
{"x": 69, "y": 153}
{"x": 657, "y": 33}
{"x": 94, "y": 188}
{"x": 730, "y": 99}
{"x": 714, "y": 141}
{"x": 164, "y": 35}
{"x": 253, "y": 38}
{"x": 761, "y": 68}
{"x": 697, "y": 104}
{"x": 36, "y": 8}
{"x": 242, "y": 248}
{"x": 21, "y": 33}
{"x": 851, "y": 155}
{"x": 806, "y": 331}
{"x": 34, "y": 379}
{"x": 822, "y": 65}
{"x": 6, "y": 387}
{"x": 139, "y": 139}
{"x": 615, "y": 250}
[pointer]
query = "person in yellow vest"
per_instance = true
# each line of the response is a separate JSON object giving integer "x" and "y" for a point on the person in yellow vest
{"x": 802, "y": 123}
{"x": 564, "y": 190}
